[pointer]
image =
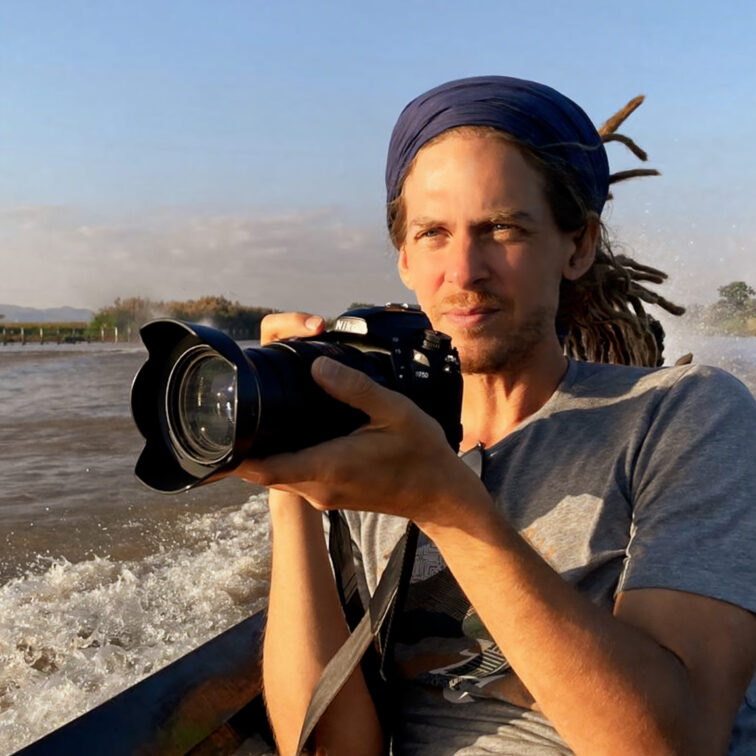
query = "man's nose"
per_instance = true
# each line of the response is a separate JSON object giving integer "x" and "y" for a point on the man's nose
{"x": 465, "y": 263}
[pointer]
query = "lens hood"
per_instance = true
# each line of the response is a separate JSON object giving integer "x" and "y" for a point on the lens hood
{"x": 162, "y": 465}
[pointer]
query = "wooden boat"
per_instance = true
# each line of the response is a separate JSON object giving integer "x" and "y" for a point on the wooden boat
{"x": 207, "y": 702}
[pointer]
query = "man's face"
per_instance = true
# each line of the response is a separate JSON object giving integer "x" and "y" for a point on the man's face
{"x": 482, "y": 252}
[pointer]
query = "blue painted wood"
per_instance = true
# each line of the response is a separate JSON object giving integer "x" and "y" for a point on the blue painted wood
{"x": 173, "y": 710}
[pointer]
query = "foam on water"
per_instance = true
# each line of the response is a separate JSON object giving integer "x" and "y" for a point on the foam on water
{"x": 73, "y": 635}
{"x": 734, "y": 354}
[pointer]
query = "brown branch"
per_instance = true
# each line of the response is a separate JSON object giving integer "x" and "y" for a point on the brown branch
{"x": 619, "y": 117}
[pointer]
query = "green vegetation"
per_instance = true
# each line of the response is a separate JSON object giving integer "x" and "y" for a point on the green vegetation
{"x": 47, "y": 333}
{"x": 121, "y": 321}
{"x": 130, "y": 314}
{"x": 734, "y": 314}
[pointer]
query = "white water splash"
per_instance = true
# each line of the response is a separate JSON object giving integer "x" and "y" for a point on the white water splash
{"x": 74, "y": 635}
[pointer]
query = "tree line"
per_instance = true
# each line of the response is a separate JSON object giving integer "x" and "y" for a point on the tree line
{"x": 733, "y": 314}
{"x": 131, "y": 313}
{"x": 121, "y": 320}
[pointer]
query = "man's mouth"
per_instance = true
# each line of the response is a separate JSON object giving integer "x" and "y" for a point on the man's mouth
{"x": 466, "y": 317}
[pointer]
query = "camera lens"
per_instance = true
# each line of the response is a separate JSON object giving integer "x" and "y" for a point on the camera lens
{"x": 201, "y": 402}
{"x": 204, "y": 404}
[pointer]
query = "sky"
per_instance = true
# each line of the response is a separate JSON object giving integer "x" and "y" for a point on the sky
{"x": 173, "y": 149}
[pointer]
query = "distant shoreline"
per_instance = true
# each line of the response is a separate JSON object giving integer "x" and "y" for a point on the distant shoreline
{"x": 82, "y": 332}
{"x": 743, "y": 328}
{"x": 75, "y": 332}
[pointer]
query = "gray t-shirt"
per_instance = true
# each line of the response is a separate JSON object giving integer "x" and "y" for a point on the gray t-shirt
{"x": 626, "y": 478}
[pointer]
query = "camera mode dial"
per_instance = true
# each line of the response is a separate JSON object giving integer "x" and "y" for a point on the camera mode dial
{"x": 435, "y": 340}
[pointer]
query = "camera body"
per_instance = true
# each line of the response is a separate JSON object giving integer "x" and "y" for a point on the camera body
{"x": 203, "y": 404}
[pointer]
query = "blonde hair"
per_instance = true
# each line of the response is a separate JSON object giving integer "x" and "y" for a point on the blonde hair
{"x": 601, "y": 316}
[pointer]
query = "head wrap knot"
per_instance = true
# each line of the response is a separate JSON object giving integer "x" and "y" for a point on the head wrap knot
{"x": 534, "y": 114}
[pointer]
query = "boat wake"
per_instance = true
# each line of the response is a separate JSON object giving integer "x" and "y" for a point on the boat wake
{"x": 75, "y": 634}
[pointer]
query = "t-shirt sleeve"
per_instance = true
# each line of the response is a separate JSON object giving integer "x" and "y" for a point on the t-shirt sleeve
{"x": 694, "y": 492}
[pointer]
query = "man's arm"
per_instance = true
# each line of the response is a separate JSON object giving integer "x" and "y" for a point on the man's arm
{"x": 634, "y": 683}
{"x": 306, "y": 624}
{"x": 305, "y": 628}
{"x": 664, "y": 675}
{"x": 718, "y": 656}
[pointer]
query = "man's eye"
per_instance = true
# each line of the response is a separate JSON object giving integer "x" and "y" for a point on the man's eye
{"x": 503, "y": 227}
{"x": 428, "y": 233}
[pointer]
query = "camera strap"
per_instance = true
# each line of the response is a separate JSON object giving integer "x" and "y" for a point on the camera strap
{"x": 385, "y": 603}
{"x": 344, "y": 569}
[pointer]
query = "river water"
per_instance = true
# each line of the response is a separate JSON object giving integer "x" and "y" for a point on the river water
{"x": 103, "y": 581}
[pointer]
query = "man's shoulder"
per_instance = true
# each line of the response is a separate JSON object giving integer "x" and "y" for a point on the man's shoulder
{"x": 623, "y": 381}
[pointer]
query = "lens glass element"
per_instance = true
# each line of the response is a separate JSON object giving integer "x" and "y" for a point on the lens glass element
{"x": 202, "y": 405}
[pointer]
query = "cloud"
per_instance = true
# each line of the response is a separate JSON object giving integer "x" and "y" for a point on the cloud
{"x": 314, "y": 260}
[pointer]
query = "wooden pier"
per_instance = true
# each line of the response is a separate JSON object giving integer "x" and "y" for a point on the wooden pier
{"x": 86, "y": 333}
{"x": 61, "y": 333}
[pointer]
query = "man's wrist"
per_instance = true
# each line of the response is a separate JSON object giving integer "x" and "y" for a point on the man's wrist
{"x": 464, "y": 506}
{"x": 289, "y": 509}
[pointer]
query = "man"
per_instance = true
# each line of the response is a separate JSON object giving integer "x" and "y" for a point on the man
{"x": 593, "y": 592}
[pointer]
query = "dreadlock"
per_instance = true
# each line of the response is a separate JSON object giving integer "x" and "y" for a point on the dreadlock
{"x": 601, "y": 315}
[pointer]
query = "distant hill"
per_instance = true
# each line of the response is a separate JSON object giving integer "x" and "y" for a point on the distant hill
{"x": 15, "y": 314}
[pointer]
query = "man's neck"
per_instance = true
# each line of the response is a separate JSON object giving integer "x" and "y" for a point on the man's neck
{"x": 495, "y": 403}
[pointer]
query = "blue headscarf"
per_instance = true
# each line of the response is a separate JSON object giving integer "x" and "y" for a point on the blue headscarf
{"x": 534, "y": 114}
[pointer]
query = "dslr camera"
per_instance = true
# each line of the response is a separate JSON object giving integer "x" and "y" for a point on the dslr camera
{"x": 203, "y": 403}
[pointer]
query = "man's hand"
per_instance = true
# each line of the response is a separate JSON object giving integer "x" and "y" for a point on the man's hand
{"x": 400, "y": 463}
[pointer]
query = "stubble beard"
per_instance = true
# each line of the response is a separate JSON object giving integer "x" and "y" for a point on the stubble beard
{"x": 500, "y": 346}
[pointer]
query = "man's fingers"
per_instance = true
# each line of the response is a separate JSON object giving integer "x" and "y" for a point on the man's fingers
{"x": 356, "y": 389}
{"x": 286, "y": 325}
{"x": 282, "y": 469}
{"x": 289, "y": 473}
